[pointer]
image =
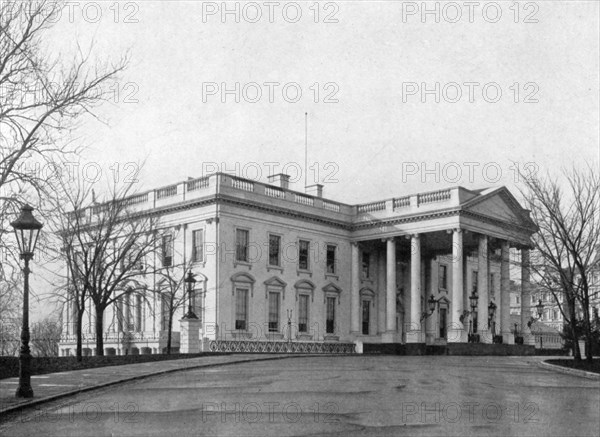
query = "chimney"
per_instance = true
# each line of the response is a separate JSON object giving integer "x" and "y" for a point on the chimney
{"x": 280, "y": 179}
{"x": 315, "y": 190}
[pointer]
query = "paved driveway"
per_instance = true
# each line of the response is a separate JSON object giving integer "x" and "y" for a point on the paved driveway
{"x": 361, "y": 395}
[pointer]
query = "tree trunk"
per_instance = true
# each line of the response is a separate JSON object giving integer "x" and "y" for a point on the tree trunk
{"x": 79, "y": 334}
{"x": 169, "y": 333}
{"x": 573, "y": 323}
{"x": 99, "y": 331}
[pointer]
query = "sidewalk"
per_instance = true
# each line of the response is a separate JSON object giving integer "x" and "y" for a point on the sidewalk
{"x": 53, "y": 386}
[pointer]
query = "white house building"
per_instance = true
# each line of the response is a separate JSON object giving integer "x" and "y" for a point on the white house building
{"x": 277, "y": 267}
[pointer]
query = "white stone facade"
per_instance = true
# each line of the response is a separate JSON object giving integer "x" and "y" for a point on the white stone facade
{"x": 280, "y": 265}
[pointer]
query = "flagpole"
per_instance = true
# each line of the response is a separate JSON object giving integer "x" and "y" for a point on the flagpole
{"x": 305, "y": 150}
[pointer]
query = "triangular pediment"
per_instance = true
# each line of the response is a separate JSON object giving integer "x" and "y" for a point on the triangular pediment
{"x": 499, "y": 204}
{"x": 274, "y": 281}
{"x": 332, "y": 288}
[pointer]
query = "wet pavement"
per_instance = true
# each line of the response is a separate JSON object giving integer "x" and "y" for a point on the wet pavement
{"x": 61, "y": 383}
{"x": 350, "y": 395}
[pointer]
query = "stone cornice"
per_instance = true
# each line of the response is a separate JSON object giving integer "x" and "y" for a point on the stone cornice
{"x": 340, "y": 224}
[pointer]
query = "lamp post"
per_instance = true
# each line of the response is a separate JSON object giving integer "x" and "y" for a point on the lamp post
{"x": 27, "y": 230}
{"x": 190, "y": 280}
{"x": 431, "y": 302}
{"x": 473, "y": 299}
{"x": 539, "y": 308}
{"x": 289, "y": 315}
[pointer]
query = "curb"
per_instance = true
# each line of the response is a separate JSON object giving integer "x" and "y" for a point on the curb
{"x": 569, "y": 371}
{"x": 4, "y": 413}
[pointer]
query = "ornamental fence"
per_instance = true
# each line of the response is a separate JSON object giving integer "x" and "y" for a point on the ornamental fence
{"x": 249, "y": 346}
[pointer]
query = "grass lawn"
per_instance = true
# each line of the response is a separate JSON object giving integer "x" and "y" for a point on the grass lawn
{"x": 584, "y": 365}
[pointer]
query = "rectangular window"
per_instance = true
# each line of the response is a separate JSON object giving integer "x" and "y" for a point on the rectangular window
{"x": 366, "y": 264}
{"x": 242, "y": 239}
{"x": 303, "y": 248}
{"x": 167, "y": 250}
{"x": 274, "y": 250}
{"x": 241, "y": 308}
{"x": 273, "y": 312}
{"x": 303, "y": 313}
{"x": 198, "y": 245}
{"x": 443, "y": 279}
{"x": 331, "y": 258}
{"x": 330, "y": 320}
{"x": 492, "y": 283}
{"x": 474, "y": 279}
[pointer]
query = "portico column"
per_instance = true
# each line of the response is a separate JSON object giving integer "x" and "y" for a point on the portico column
{"x": 483, "y": 291}
{"x": 507, "y": 338}
{"x": 390, "y": 307}
{"x": 457, "y": 332}
{"x": 525, "y": 297}
{"x": 413, "y": 335}
{"x": 355, "y": 298}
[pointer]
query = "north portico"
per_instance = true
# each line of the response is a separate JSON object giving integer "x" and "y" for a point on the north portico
{"x": 432, "y": 251}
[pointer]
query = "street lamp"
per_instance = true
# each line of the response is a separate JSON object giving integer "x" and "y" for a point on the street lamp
{"x": 431, "y": 302}
{"x": 473, "y": 299}
{"x": 289, "y": 315}
{"x": 190, "y": 280}
{"x": 27, "y": 230}
{"x": 540, "y": 310}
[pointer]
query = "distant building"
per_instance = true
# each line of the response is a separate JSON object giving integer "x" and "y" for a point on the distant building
{"x": 277, "y": 265}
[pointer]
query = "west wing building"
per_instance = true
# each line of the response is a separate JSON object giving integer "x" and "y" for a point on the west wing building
{"x": 275, "y": 265}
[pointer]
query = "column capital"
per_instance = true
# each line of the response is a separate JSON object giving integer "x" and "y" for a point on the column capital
{"x": 454, "y": 231}
{"x": 411, "y": 236}
{"x": 386, "y": 239}
{"x": 354, "y": 243}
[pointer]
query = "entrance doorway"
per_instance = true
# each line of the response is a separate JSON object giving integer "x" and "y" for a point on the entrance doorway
{"x": 366, "y": 316}
{"x": 443, "y": 323}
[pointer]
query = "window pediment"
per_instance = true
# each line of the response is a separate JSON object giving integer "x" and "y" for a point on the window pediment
{"x": 306, "y": 286}
{"x": 332, "y": 290}
{"x": 242, "y": 279}
{"x": 367, "y": 292}
{"x": 275, "y": 284}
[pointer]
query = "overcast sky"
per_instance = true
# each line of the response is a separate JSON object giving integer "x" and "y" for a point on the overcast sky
{"x": 398, "y": 101}
{"x": 372, "y": 132}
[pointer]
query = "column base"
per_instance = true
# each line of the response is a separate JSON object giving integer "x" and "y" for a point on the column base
{"x": 508, "y": 338}
{"x": 457, "y": 336}
{"x": 485, "y": 336}
{"x": 415, "y": 337}
{"x": 391, "y": 337}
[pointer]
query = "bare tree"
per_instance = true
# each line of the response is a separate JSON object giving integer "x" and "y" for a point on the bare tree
{"x": 45, "y": 336}
{"x": 41, "y": 97}
{"x": 106, "y": 246}
{"x": 567, "y": 245}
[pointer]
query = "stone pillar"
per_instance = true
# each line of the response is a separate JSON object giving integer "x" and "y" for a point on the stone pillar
{"x": 525, "y": 298}
{"x": 504, "y": 307}
{"x": 457, "y": 332}
{"x": 190, "y": 336}
{"x": 355, "y": 296}
{"x": 483, "y": 290}
{"x": 413, "y": 335}
{"x": 390, "y": 295}
{"x": 381, "y": 292}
